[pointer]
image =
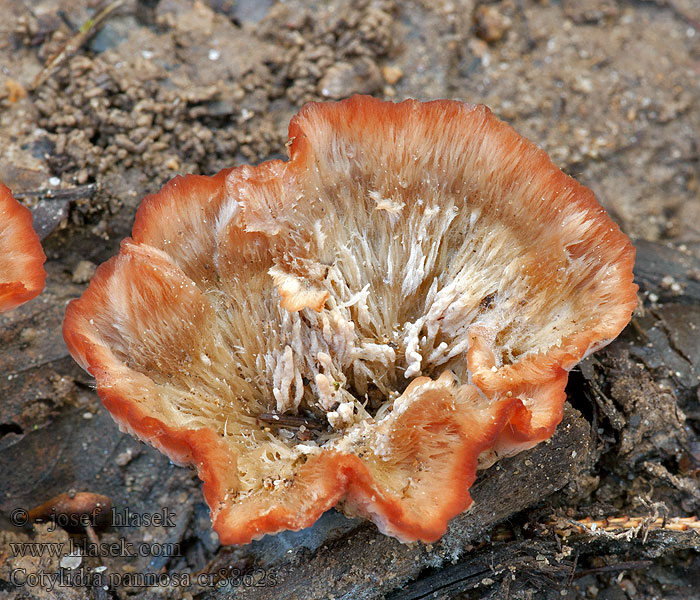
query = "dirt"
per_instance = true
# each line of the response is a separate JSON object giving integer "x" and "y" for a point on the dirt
{"x": 609, "y": 88}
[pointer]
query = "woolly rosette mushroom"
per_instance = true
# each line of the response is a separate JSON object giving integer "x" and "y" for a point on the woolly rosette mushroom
{"x": 22, "y": 274}
{"x": 362, "y": 325}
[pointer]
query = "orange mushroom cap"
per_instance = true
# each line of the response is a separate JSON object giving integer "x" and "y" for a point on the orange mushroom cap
{"x": 362, "y": 325}
{"x": 22, "y": 273}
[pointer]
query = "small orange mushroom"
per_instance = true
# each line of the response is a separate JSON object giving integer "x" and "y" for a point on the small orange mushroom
{"x": 22, "y": 273}
{"x": 362, "y": 325}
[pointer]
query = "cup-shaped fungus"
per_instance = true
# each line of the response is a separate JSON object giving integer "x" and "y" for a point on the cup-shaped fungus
{"x": 361, "y": 325}
{"x": 22, "y": 272}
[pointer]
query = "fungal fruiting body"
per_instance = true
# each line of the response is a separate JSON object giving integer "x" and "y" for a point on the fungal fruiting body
{"x": 362, "y": 325}
{"x": 22, "y": 272}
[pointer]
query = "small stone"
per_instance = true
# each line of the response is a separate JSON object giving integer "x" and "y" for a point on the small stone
{"x": 28, "y": 335}
{"x": 84, "y": 271}
{"x": 391, "y": 74}
{"x": 344, "y": 79}
{"x": 491, "y": 25}
{"x": 50, "y": 215}
{"x": 582, "y": 84}
{"x": 71, "y": 561}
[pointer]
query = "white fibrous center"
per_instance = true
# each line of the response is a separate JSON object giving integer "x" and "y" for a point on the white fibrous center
{"x": 330, "y": 295}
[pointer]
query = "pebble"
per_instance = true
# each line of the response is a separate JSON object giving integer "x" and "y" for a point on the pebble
{"x": 344, "y": 79}
{"x": 71, "y": 561}
{"x": 84, "y": 271}
{"x": 391, "y": 74}
{"x": 491, "y": 24}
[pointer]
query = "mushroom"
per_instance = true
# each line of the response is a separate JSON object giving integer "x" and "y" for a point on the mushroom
{"x": 22, "y": 273}
{"x": 363, "y": 325}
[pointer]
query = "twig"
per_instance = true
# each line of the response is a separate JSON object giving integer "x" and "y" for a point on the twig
{"x": 82, "y": 191}
{"x": 86, "y": 31}
{"x": 627, "y": 524}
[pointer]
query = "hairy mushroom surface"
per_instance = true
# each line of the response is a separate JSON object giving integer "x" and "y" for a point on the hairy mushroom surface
{"x": 22, "y": 272}
{"x": 360, "y": 325}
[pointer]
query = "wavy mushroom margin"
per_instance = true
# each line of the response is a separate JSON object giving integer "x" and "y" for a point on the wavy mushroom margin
{"x": 22, "y": 274}
{"x": 508, "y": 425}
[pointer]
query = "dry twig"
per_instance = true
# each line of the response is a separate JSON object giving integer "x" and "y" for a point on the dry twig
{"x": 86, "y": 31}
{"x": 624, "y": 526}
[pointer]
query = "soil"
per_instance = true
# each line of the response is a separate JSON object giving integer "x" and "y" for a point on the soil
{"x": 609, "y": 88}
